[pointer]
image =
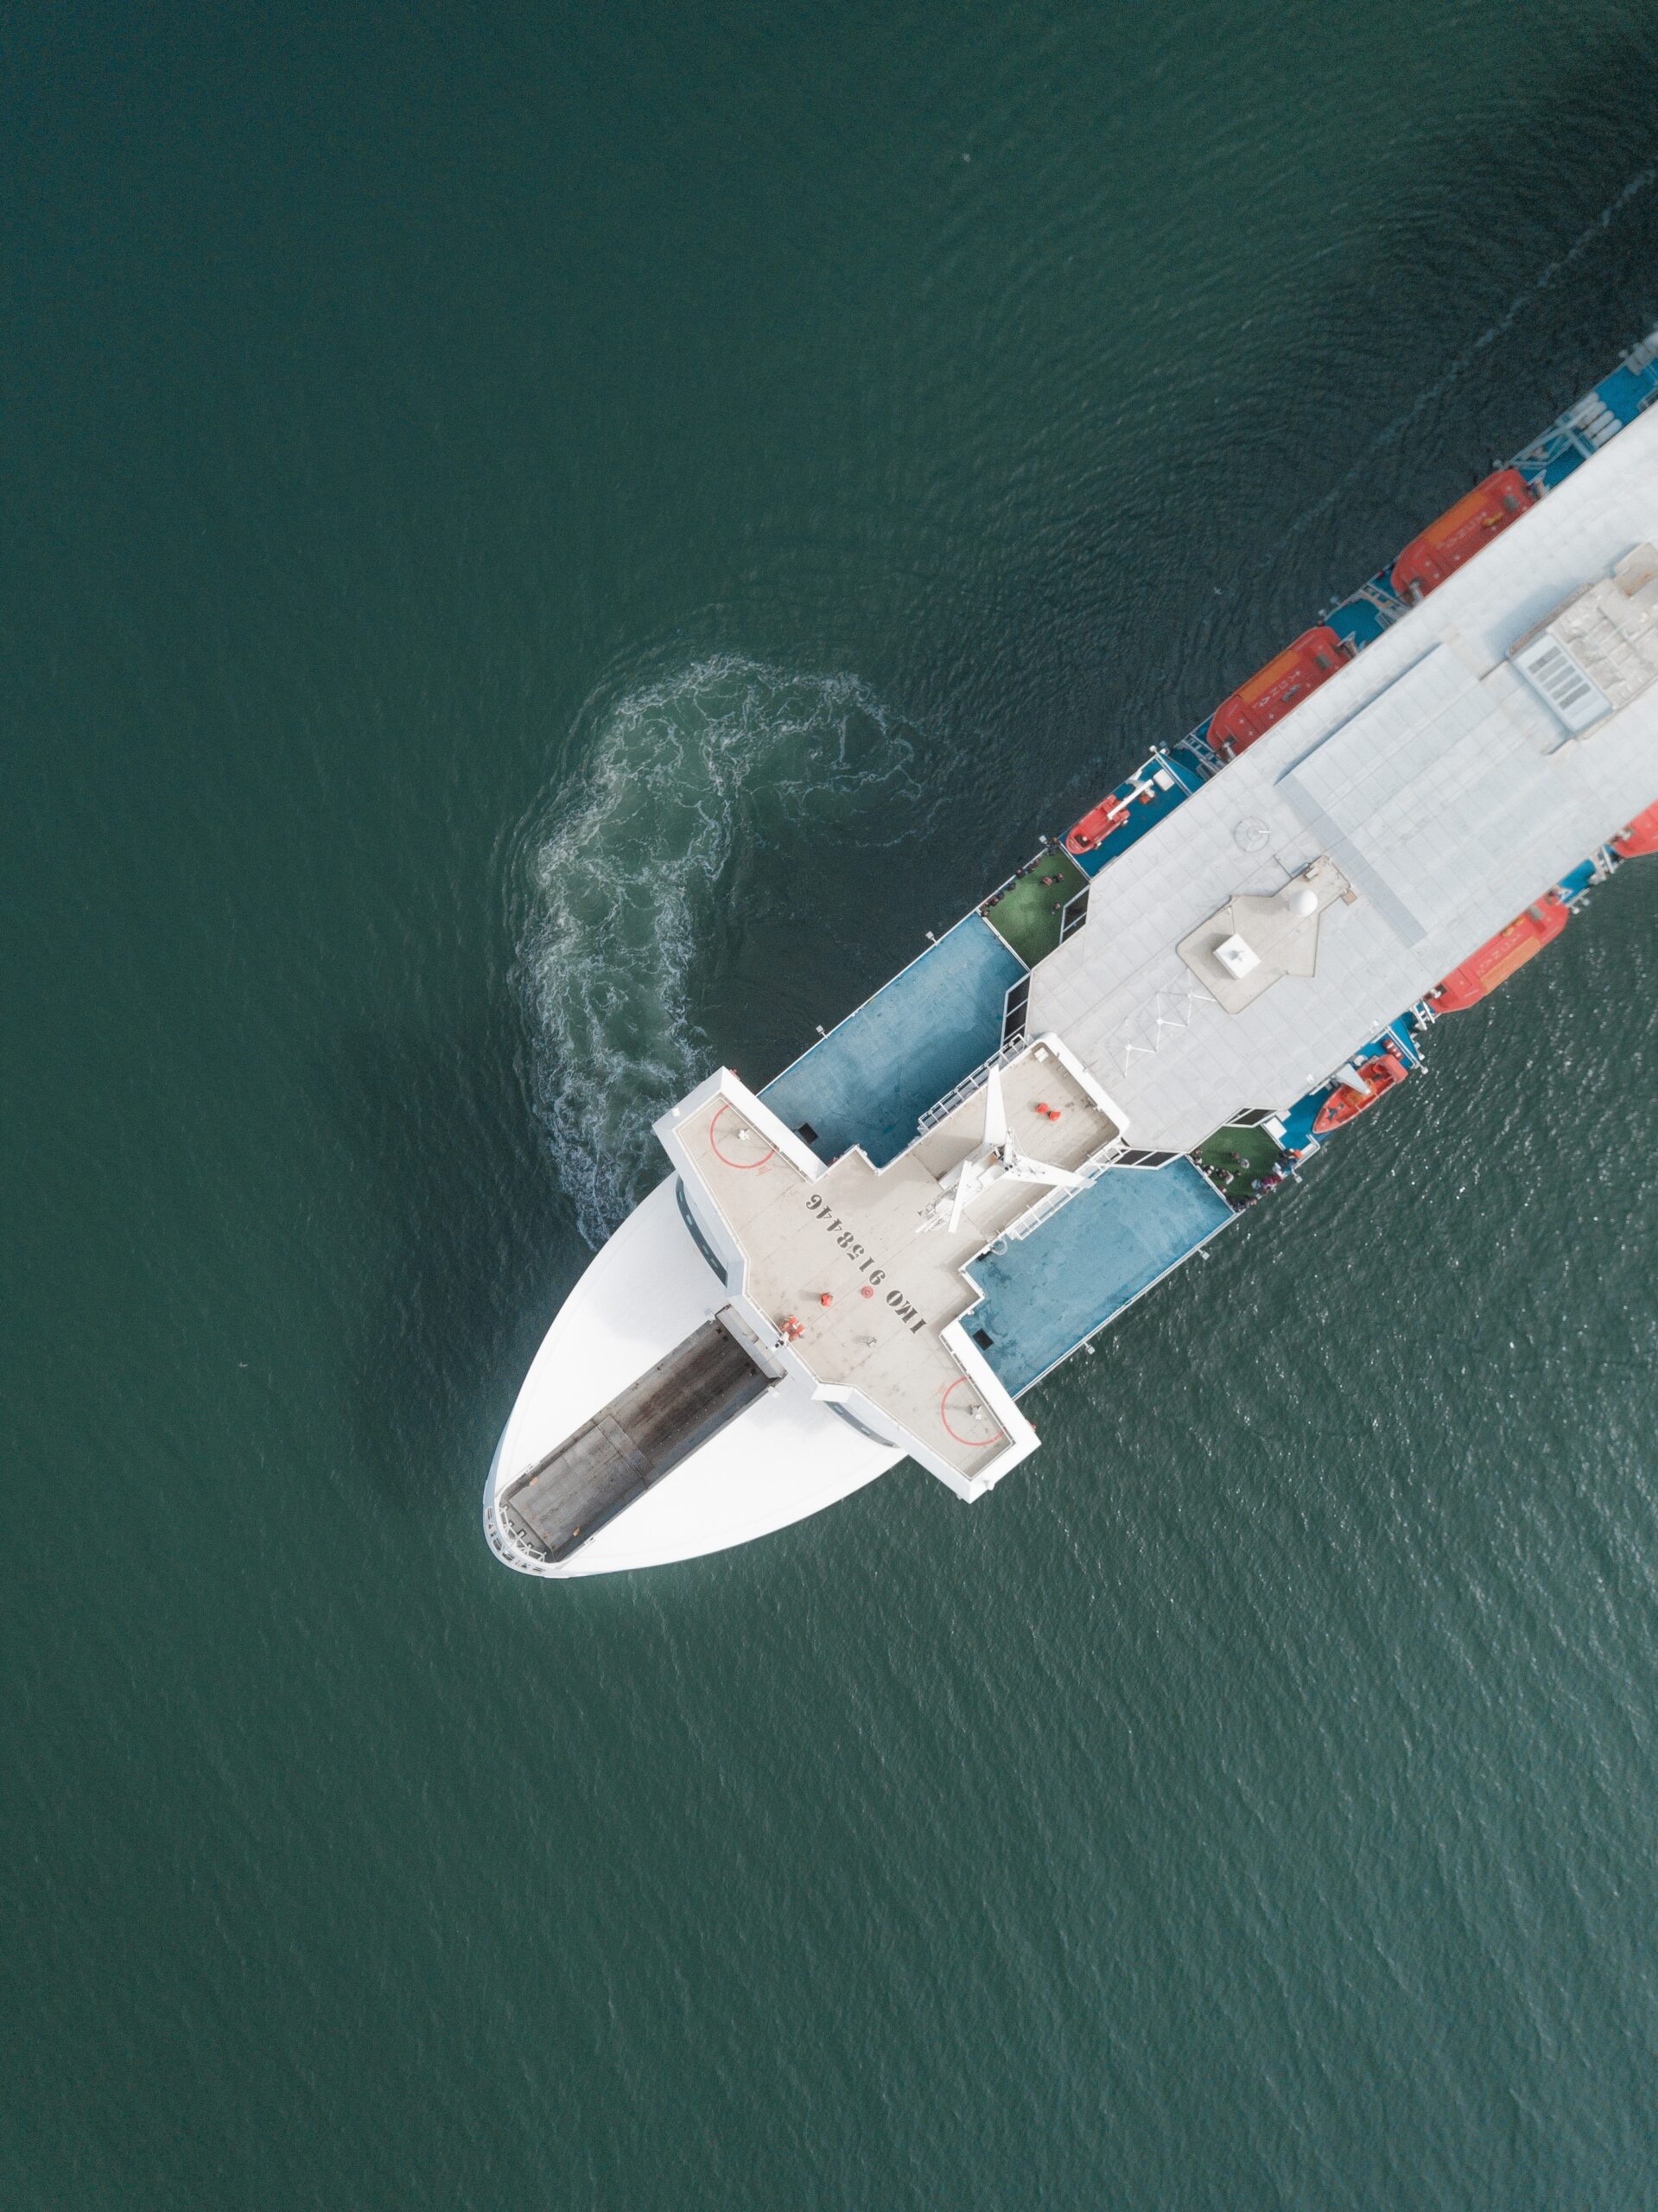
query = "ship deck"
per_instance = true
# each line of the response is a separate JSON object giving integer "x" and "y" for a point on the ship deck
{"x": 1043, "y": 1297}
{"x": 1236, "y": 1159}
{"x": 642, "y": 1434}
{"x": 871, "y": 1078}
{"x": 1427, "y": 772}
{"x": 854, "y": 1267}
{"x": 1029, "y": 912}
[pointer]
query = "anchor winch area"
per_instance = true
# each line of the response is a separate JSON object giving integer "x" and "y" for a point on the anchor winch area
{"x": 646, "y": 1429}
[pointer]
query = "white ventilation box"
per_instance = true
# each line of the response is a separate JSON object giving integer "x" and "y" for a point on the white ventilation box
{"x": 1237, "y": 958}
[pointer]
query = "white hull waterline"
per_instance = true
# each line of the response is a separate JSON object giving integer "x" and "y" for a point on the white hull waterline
{"x": 879, "y": 1255}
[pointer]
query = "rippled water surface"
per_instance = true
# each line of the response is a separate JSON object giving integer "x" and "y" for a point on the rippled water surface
{"x": 548, "y": 549}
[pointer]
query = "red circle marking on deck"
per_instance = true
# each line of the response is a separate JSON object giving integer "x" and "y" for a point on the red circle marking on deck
{"x": 972, "y": 1443}
{"x": 770, "y": 1153}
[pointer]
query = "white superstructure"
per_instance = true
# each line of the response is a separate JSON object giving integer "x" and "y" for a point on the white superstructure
{"x": 770, "y": 1330}
{"x": 1429, "y": 772}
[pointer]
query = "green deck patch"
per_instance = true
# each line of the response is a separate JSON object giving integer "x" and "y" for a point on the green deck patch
{"x": 1027, "y": 915}
{"x": 1238, "y": 1159}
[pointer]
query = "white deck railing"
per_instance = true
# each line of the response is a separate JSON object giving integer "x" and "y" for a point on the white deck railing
{"x": 968, "y": 1085}
{"x": 1060, "y": 1195}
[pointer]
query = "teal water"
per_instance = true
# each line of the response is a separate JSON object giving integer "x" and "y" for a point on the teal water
{"x": 545, "y": 547}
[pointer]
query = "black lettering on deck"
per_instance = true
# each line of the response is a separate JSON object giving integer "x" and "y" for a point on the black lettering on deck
{"x": 847, "y": 1241}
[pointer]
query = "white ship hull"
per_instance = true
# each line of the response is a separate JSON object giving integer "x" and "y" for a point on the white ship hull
{"x": 784, "y": 1457}
{"x": 879, "y": 1254}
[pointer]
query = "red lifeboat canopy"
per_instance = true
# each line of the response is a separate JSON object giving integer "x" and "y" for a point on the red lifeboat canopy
{"x": 1095, "y": 827}
{"x": 1379, "y": 1076}
{"x": 1273, "y": 690}
{"x": 1477, "y": 517}
{"x": 1641, "y": 836}
{"x": 1505, "y": 954}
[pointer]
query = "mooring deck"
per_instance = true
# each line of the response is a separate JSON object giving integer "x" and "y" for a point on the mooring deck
{"x": 645, "y": 1429}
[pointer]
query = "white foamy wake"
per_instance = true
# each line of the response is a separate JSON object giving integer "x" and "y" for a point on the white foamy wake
{"x": 623, "y": 875}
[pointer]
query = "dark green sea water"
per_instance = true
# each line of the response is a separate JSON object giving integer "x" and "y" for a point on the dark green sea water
{"x": 546, "y": 548}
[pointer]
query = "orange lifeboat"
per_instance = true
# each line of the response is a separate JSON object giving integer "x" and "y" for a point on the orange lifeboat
{"x": 1641, "y": 836}
{"x": 1507, "y": 952}
{"x": 1476, "y": 518}
{"x": 1273, "y": 690}
{"x": 1095, "y": 827}
{"x": 1343, "y": 1105}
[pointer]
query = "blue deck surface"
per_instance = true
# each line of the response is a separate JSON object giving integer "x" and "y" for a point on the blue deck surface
{"x": 1357, "y": 620}
{"x": 1627, "y": 391}
{"x": 868, "y": 1080}
{"x": 1560, "y": 467}
{"x": 1041, "y": 1297}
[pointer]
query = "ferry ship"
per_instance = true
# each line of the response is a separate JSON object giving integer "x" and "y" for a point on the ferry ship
{"x": 1144, "y": 1033}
